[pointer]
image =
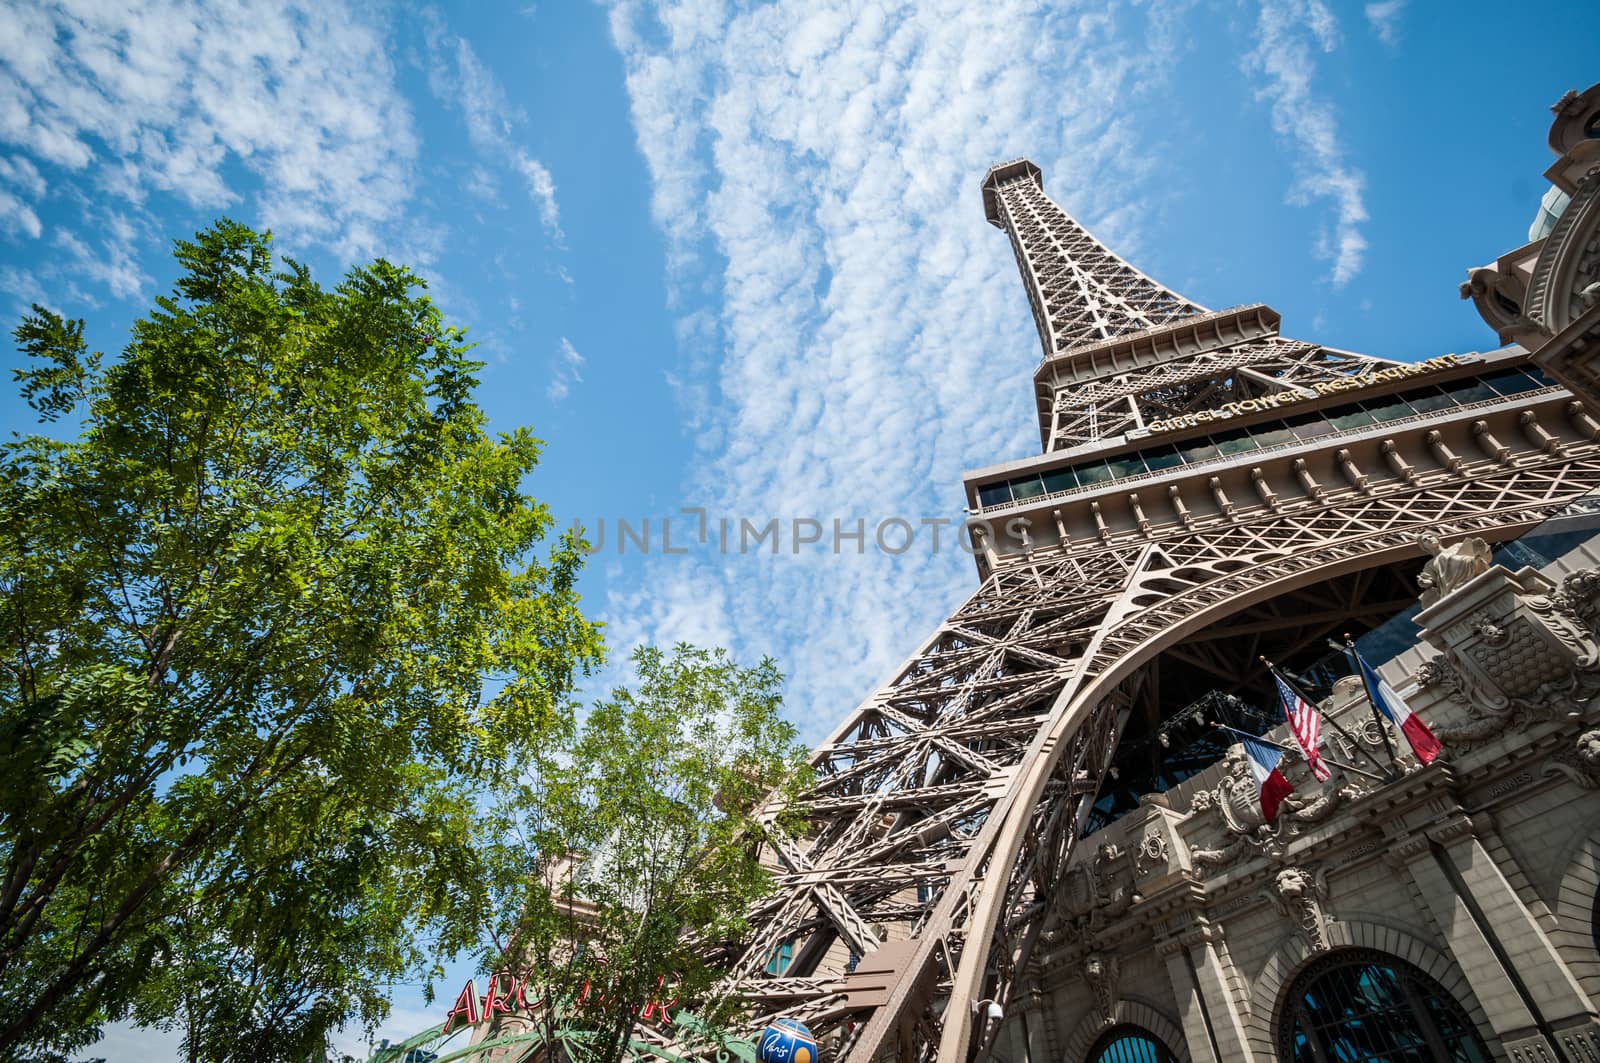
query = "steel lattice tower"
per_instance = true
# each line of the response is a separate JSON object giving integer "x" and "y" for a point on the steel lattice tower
{"x": 948, "y": 803}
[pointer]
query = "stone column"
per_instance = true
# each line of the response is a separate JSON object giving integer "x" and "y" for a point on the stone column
{"x": 1037, "y": 1035}
{"x": 1527, "y": 991}
{"x": 1560, "y": 1001}
{"x": 1200, "y": 987}
{"x": 1187, "y": 996}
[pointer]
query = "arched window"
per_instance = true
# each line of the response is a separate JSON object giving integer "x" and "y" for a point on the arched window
{"x": 1127, "y": 1043}
{"x": 1594, "y": 920}
{"x": 1357, "y": 1004}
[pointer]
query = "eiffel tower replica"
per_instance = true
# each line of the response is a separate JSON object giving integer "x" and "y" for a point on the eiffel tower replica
{"x": 1207, "y": 489}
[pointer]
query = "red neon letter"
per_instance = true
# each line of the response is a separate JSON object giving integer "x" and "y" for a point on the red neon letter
{"x": 495, "y": 1001}
{"x": 656, "y": 1006}
{"x": 466, "y": 1005}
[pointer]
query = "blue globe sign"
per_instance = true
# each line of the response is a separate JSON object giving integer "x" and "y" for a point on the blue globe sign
{"x": 787, "y": 1041}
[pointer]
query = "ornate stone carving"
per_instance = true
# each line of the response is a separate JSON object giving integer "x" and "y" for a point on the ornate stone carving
{"x": 1439, "y": 672}
{"x": 1153, "y": 852}
{"x": 1234, "y": 811}
{"x": 1513, "y": 647}
{"x": 1093, "y": 892}
{"x": 1451, "y": 566}
{"x": 1579, "y": 598}
{"x": 1300, "y": 895}
{"x": 1580, "y": 762}
{"x": 1100, "y": 971}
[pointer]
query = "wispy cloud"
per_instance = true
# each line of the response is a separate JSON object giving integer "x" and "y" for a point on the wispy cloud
{"x": 542, "y": 190}
{"x": 113, "y": 262}
{"x": 21, "y": 185}
{"x": 565, "y": 371}
{"x": 459, "y": 78}
{"x": 488, "y": 114}
{"x": 1289, "y": 36}
{"x": 1384, "y": 18}
{"x": 867, "y": 337}
{"x": 182, "y": 98}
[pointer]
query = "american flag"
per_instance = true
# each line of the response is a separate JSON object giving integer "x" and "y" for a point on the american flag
{"x": 1305, "y": 725}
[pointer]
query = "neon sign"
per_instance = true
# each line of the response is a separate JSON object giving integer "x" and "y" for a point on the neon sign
{"x": 508, "y": 995}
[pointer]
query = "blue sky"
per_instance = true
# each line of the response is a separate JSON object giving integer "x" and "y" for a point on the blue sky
{"x": 732, "y": 255}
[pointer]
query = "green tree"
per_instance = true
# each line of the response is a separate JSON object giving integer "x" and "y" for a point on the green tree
{"x": 274, "y": 624}
{"x": 628, "y": 857}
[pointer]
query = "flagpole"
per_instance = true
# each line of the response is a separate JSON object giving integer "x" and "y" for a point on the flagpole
{"x": 1292, "y": 685}
{"x": 1372, "y": 700}
{"x": 1300, "y": 752}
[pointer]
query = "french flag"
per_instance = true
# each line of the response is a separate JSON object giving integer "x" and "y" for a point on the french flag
{"x": 1408, "y": 723}
{"x": 1264, "y": 765}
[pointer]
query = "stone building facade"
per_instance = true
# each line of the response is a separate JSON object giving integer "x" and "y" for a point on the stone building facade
{"x": 1193, "y": 923}
{"x": 1397, "y": 911}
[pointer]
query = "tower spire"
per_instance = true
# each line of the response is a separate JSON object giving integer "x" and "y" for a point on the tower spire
{"x": 1081, "y": 293}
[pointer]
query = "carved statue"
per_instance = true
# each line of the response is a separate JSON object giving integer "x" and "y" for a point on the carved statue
{"x": 1588, "y": 751}
{"x": 1450, "y": 566}
{"x": 1580, "y": 762}
{"x": 1100, "y": 971}
{"x": 1299, "y": 895}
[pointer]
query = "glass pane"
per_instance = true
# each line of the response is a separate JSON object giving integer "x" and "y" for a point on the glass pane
{"x": 1235, "y": 442}
{"x": 1426, "y": 400}
{"x": 1471, "y": 391}
{"x": 1026, "y": 487}
{"x": 1545, "y": 379}
{"x": 1272, "y": 433}
{"x": 1310, "y": 426}
{"x": 1162, "y": 458}
{"x": 1093, "y": 474}
{"x": 1351, "y": 416}
{"x": 1389, "y": 408}
{"x": 994, "y": 494}
{"x": 1197, "y": 450}
{"x": 1512, "y": 382}
{"x": 1060, "y": 480}
{"x": 1127, "y": 465}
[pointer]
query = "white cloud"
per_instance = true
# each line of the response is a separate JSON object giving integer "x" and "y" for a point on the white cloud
{"x": 1289, "y": 33}
{"x": 459, "y": 78}
{"x": 1384, "y": 18}
{"x": 565, "y": 371}
{"x": 542, "y": 190}
{"x": 482, "y": 184}
{"x": 17, "y": 216}
{"x": 113, "y": 263}
{"x": 173, "y": 96}
{"x": 18, "y": 172}
{"x": 483, "y": 102}
{"x": 23, "y": 286}
{"x": 125, "y": 1041}
{"x": 867, "y": 337}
